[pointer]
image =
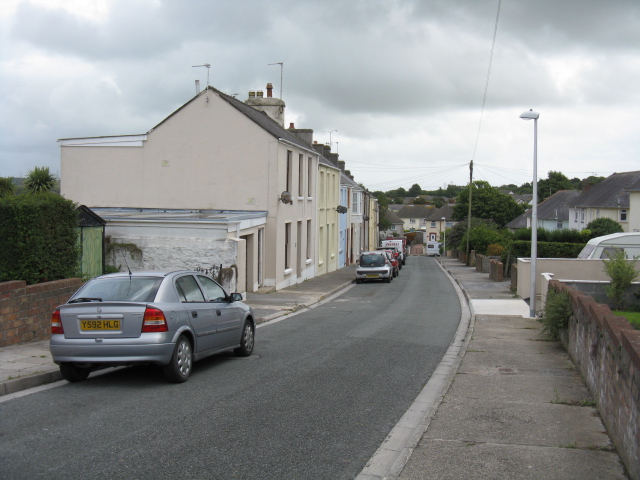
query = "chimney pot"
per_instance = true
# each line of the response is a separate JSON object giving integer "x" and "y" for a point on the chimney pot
{"x": 269, "y": 90}
{"x": 259, "y": 94}
{"x": 291, "y": 127}
{"x": 252, "y": 94}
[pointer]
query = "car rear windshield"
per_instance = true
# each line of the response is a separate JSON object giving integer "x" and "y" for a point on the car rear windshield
{"x": 372, "y": 260}
{"x": 120, "y": 289}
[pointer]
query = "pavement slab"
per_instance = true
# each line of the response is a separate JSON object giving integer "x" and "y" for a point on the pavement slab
{"x": 517, "y": 407}
{"x": 454, "y": 460}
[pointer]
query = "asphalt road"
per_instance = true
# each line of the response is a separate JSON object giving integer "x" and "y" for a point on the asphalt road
{"x": 318, "y": 397}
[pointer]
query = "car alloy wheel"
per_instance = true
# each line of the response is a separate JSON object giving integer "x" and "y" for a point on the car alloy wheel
{"x": 179, "y": 368}
{"x": 246, "y": 341}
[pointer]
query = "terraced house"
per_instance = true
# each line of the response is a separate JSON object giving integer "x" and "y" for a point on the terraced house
{"x": 218, "y": 183}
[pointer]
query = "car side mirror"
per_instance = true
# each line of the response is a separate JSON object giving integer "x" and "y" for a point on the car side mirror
{"x": 236, "y": 297}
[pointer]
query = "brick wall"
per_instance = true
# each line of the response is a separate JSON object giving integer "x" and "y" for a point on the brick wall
{"x": 606, "y": 349}
{"x": 25, "y": 311}
{"x": 496, "y": 270}
{"x": 480, "y": 263}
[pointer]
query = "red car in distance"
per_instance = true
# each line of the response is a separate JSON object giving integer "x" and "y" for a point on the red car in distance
{"x": 395, "y": 261}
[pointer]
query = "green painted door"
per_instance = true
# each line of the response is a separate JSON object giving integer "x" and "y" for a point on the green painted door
{"x": 91, "y": 251}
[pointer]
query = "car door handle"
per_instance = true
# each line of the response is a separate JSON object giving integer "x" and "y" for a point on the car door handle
{"x": 194, "y": 314}
{"x": 218, "y": 313}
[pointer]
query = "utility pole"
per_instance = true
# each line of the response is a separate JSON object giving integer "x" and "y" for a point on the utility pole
{"x": 469, "y": 214}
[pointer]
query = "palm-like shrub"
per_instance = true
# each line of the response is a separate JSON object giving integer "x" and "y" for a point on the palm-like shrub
{"x": 40, "y": 180}
{"x": 7, "y": 186}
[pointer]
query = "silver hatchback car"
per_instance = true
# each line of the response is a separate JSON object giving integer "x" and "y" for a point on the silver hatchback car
{"x": 165, "y": 318}
{"x": 374, "y": 266}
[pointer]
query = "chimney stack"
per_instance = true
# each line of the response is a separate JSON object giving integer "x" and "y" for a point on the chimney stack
{"x": 273, "y": 107}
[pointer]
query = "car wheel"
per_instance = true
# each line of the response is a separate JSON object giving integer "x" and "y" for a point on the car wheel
{"x": 358, "y": 281}
{"x": 179, "y": 368}
{"x": 388, "y": 279}
{"x": 71, "y": 373}
{"x": 246, "y": 341}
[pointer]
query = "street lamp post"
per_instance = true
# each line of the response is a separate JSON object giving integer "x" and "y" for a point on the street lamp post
{"x": 444, "y": 238}
{"x": 531, "y": 115}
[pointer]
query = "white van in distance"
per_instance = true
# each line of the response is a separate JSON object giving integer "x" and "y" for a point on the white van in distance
{"x": 433, "y": 249}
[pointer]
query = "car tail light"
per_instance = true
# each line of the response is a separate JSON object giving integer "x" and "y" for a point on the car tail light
{"x": 154, "y": 321}
{"x": 56, "y": 323}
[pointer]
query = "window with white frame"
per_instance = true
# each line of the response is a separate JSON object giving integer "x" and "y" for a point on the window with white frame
{"x": 623, "y": 215}
{"x": 310, "y": 177}
{"x": 287, "y": 244}
{"x": 300, "y": 175}
{"x": 433, "y": 224}
{"x": 356, "y": 205}
{"x": 309, "y": 239}
{"x": 288, "y": 179}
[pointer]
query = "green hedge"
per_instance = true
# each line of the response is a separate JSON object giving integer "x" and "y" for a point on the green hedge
{"x": 38, "y": 238}
{"x": 522, "y": 248}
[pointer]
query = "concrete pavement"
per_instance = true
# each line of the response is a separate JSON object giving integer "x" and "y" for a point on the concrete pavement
{"x": 517, "y": 407}
{"x": 503, "y": 403}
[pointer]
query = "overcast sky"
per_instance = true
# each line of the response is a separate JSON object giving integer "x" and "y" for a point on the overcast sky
{"x": 401, "y": 83}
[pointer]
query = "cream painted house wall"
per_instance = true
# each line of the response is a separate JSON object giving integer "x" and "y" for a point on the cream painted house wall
{"x": 580, "y": 217}
{"x": 374, "y": 220}
{"x": 206, "y": 155}
{"x": 190, "y": 160}
{"x": 328, "y": 232}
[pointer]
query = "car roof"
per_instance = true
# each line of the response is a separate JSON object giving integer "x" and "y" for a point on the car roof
{"x": 151, "y": 273}
{"x": 620, "y": 237}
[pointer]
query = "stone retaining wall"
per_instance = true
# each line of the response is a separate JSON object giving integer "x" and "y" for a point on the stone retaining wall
{"x": 496, "y": 270}
{"x": 606, "y": 349}
{"x": 25, "y": 311}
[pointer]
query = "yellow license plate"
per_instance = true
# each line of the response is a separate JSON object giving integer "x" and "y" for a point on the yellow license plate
{"x": 372, "y": 275}
{"x": 99, "y": 325}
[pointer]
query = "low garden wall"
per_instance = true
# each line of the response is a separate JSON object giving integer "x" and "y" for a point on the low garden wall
{"x": 606, "y": 349}
{"x": 25, "y": 311}
{"x": 496, "y": 270}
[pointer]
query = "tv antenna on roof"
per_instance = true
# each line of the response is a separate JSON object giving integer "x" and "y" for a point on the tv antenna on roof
{"x": 281, "y": 68}
{"x": 208, "y": 67}
{"x": 330, "y": 132}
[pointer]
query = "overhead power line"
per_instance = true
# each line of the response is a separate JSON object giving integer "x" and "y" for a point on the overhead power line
{"x": 486, "y": 85}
